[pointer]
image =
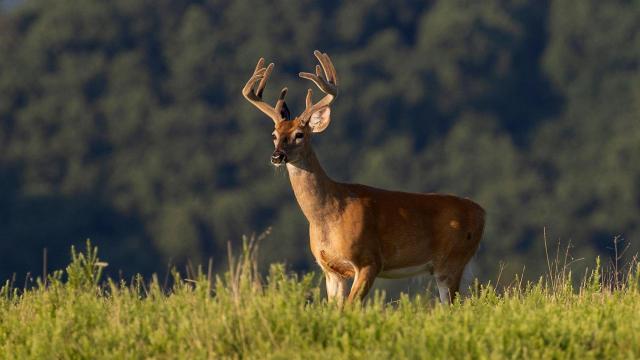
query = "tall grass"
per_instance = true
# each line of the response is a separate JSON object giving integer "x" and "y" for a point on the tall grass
{"x": 76, "y": 314}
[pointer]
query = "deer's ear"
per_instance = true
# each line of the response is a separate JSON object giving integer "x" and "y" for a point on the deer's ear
{"x": 320, "y": 119}
{"x": 284, "y": 112}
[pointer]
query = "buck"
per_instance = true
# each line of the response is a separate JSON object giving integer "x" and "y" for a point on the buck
{"x": 360, "y": 232}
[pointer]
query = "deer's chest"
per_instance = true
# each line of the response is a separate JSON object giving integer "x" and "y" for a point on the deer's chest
{"x": 338, "y": 235}
{"x": 338, "y": 248}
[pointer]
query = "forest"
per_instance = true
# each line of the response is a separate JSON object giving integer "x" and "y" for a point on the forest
{"x": 122, "y": 121}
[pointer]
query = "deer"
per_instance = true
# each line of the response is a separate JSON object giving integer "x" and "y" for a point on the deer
{"x": 356, "y": 232}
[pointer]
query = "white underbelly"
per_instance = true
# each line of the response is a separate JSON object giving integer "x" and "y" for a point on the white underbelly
{"x": 407, "y": 271}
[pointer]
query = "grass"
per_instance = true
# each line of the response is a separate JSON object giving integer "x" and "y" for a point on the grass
{"x": 75, "y": 314}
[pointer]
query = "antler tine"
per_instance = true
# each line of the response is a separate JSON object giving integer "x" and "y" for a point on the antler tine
{"x": 329, "y": 86}
{"x": 259, "y": 65}
{"x": 263, "y": 82}
{"x": 332, "y": 70}
{"x": 255, "y": 96}
{"x": 327, "y": 66}
{"x": 309, "y": 100}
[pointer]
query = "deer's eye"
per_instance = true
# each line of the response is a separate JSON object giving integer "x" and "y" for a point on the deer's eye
{"x": 273, "y": 136}
{"x": 299, "y": 135}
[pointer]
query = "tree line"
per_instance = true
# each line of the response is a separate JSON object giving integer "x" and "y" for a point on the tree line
{"x": 123, "y": 122}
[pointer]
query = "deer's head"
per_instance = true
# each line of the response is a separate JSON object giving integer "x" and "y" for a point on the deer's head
{"x": 291, "y": 137}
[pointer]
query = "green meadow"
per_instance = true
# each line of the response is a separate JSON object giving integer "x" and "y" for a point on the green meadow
{"x": 76, "y": 314}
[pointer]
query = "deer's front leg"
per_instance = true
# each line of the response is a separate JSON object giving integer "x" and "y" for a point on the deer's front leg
{"x": 336, "y": 286}
{"x": 362, "y": 282}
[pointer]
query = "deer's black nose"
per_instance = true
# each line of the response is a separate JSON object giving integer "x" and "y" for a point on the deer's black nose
{"x": 278, "y": 157}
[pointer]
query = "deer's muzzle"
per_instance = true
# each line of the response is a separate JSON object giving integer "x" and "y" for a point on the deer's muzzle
{"x": 278, "y": 157}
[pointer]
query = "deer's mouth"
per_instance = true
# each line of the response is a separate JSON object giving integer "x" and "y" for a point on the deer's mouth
{"x": 278, "y": 158}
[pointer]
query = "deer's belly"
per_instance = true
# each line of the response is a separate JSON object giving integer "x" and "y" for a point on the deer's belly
{"x": 399, "y": 273}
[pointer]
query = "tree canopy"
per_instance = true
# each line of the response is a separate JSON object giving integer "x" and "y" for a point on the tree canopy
{"x": 122, "y": 121}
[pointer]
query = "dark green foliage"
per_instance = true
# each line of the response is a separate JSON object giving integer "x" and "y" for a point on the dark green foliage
{"x": 122, "y": 121}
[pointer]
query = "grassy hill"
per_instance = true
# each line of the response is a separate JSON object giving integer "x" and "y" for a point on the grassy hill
{"x": 239, "y": 314}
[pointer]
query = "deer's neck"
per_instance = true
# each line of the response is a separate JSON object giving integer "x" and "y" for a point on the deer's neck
{"x": 317, "y": 194}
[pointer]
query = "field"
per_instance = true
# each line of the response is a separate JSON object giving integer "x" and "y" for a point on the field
{"x": 76, "y": 314}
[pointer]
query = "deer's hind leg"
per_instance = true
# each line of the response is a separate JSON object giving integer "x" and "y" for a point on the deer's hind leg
{"x": 448, "y": 284}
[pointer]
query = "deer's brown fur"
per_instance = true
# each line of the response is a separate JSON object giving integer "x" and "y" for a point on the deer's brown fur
{"x": 361, "y": 232}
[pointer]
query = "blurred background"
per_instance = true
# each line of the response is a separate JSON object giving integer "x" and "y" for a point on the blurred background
{"x": 122, "y": 121}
